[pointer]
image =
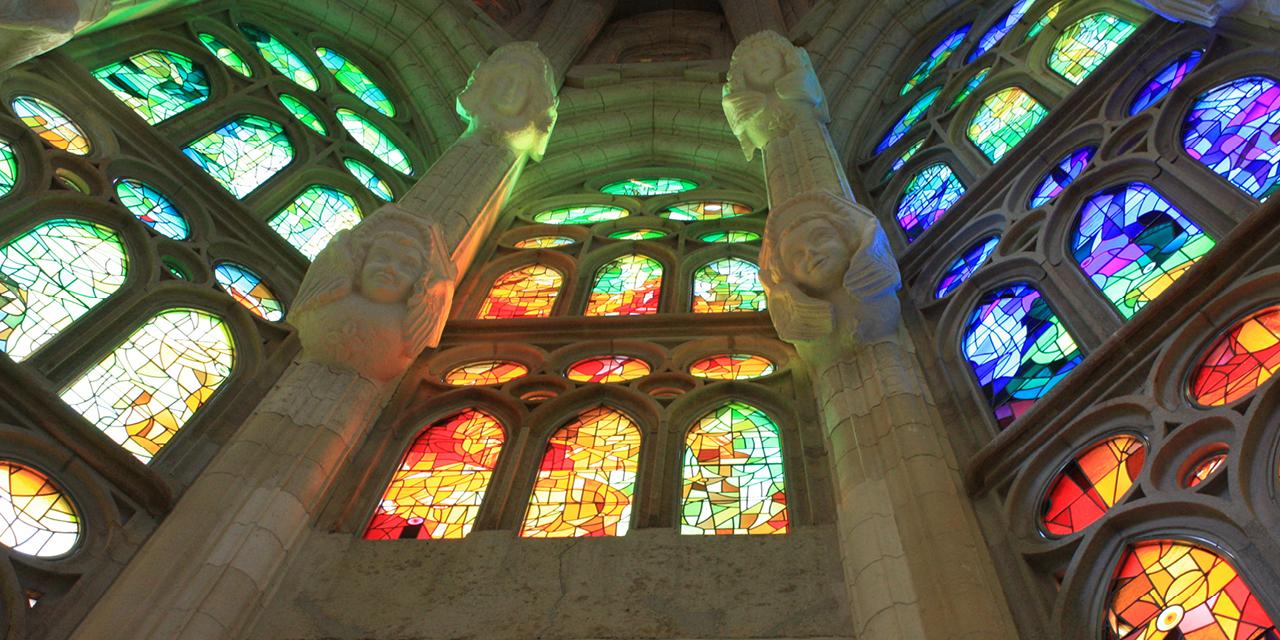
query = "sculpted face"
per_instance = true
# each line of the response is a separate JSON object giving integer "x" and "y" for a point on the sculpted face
{"x": 815, "y": 256}
{"x": 763, "y": 66}
{"x": 505, "y": 87}
{"x": 390, "y": 270}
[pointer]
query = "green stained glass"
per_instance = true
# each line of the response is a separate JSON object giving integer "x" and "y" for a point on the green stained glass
{"x": 704, "y": 210}
{"x": 727, "y": 285}
{"x": 936, "y": 58}
{"x": 729, "y": 237}
{"x": 375, "y": 141}
{"x": 8, "y": 168}
{"x": 1044, "y": 21}
{"x": 1087, "y": 43}
{"x": 585, "y": 214}
{"x": 225, "y": 54}
{"x": 148, "y": 205}
{"x": 303, "y": 114}
{"x": 902, "y": 159}
{"x": 281, "y": 57}
{"x": 644, "y": 187}
{"x": 1003, "y": 120}
{"x": 909, "y": 119}
{"x": 627, "y": 286}
{"x": 733, "y": 478}
{"x": 544, "y": 242}
{"x": 242, "y": 154}
{"x": 369, "y": 179}
{"x": 314, "y": 217}
{"x": 156, "y": 84}
{"x": 355, "y": 80}
{"x": 970, "y": 86}
{"x": 638, "y": 234}
{"x": 51, "y": 124}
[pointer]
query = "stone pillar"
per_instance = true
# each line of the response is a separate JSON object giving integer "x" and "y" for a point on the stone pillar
{"x": 748, "y": 17}
{"x": 373, "y": 300}
{"x": 915, "y": 561}
{"x": 29, "y": 28}
{"x": 568, "y": 27}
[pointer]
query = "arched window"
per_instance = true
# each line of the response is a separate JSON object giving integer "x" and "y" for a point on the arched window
{"x": 936, "y": 58}
{"x": 354, "y": 79}
{"x": 52, "y": 125}
{"x": 733, "y": 478}
{"x": 437, "y": 490}
{"x": 727, "y": 285}
{"x": 375, "y": 140}
{"x": 281, "y": 57}
{"x": 1060, "y": 176}
{"x": 965, "y": 265}
{"x": 1018, "y": 349}
{"x": 627, "y": 286}
{"x": 586, "y": 479}
{"x": 1095, "y": 480}
{"x": 52, "y": 275}
{"x": 909, "y": 119}
{"x": 145, "y": 390}
{"x": 1003, "y": 120}
{"x": 314, "y": 217}
{"x": 1001, "y": 28}
{"x": 526, "y": 292}
{"x": 1087, "y": 43}
{"x": 242, "y": 154}
{"x": 37, "y": 516}
{"x": 926, "y": 198}
{"x": 1133, "y": 244}
{"x": 156, "y": 84}
{"x": 153, "y": 208}
{"x": 1242, "y": 359}
{"x": 8, "y": 168}
{"x": 1164, "y": 81}
{"x": 247, "y": 287}
{"x": 1234, "y": 129}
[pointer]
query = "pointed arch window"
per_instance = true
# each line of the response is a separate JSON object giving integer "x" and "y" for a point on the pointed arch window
{"x": 1087, "y": 43}
{"x": 627, "y": 286}
{"x": 926, "y": 198}
{"x": 1003, "y": 120}
{"x": 525, "y": 292}
{"x": 1234, "y": 130}
{"x": 315, "y": 217}
{"x": 157, "y": 84}
{"x": 242, "y": 154}
{"x": 728, "y": 285}
{"x": 733, "y": 478}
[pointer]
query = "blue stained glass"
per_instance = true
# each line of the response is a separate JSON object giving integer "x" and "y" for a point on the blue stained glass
{"x": 153, "y": 208}
{"x": 909, "y": 119}
{"x": 936, "y": 58}
{"x": 927, "y": 197}
{"x": 1064, "y": 173}
{"x": 1234, "y": 129}
{"x": 1001, "y": 28}
{"x": 965, "y": 265}
{"x": 1164, "y": 82}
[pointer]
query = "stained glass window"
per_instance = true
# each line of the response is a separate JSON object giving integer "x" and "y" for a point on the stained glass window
{"x": 704, "y": 210}
{"x": 369, "y": 136}
{"x": 1095, "y": 480}
{"x": 367, "y": 177}
{"x": 1133, "y": 244}
{"x": 249, "y": 290}
{"x": 526, "y": 292}
{"x": 645, "y": 187}
{"x": 731, "y": 236}
{"x": 314, "y": 217}
{"x": 586, "y": 479}
{"x": 638, "y": 234}
{"x": 281, "y": 58}
{"x": 970, "y": 86}
{"x": 1174, "y": 589}
{"x": 902, "y": 159}
{"x": 242, "y": 154}
{"x": 627, "y": 286}
{"x": 909, "y": 119}
{"x": 733, "y": 478}
{"x": 1045, "y": 19}
{"x": 485, "y": 372}
{"x": 38, "y": 518}
{"x": 1003, "y": 120}
{"x": 1087, "y": 43}
{"x": 1164, "y": 82}
{"x": 1018, "y": 349}
{"x": 731, "y": 366}
{"x": 156, "y": 84}
{"x": 1234, "y": 129}
{"x": 965, "y": 265}
{"x": 354, "y": 79}
{"x": 1001, "y": 28}
{"x": 52, "y": 275}
{"x": 583, "y": 214}
{"x": 544, "y": 242}
{"x": 1064, "y": 173}
{"x": 8, "y": 168}
{"x": 1205, "y": 468}
{"x": 727, "y": 285}
{"x": 608, "y": 369}
{"x": 51, "y": 124}
{"x": 304, "y": 114}
{"x": 142, "y": 393}
{"x": 937, "y": 57}
{"x": 437, "y": 490}
{"x": 225, "y": 54}
{"x": 1239, "y": 361}
{"x": 153, "y": 208}
{"x": 926, "y": 198}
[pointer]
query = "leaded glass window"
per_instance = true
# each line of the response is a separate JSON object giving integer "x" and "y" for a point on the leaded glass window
{"x": 1003, "y": 120}
{"x": 1234, "y": 129}
{"x": 354, "y": 79}
{"x": 726, "y": 285}
{"x": 1087, "y": 43}
{"x": 700, "y": 210}
{"x": 970, "y": 86}
{"x": 1164, "y": 81}
{"x": 374, "y": 140}
{"x": 926, "y": 198}
{"x": 1095, "y": 480}
{"x": 936, "y": 58}
{"x": 225, "y": 54}
{"x": 731, "y": 366}
{"x": 281, "y": 57}
{"x": 1061, "y": 175}
{"x": 646, "y": 187}
{"x": 51, "y": 124}
{"x": 733, "y": 478}
{"x": 1001, "y": 28}
{"x": 608, "y": 369}
{"x": 37, "y": 516}
{"x": 153, "y": 208}
{"x": 909, "y": 119}
{"x": 242, "y": 154}
{"x": 526, "y": 292}
{"x": 8, "y": 168}
{"x": 582, "y": 214}
{"x": 369, "y": 178}
{"x": 248, "y": 288}
{"x": 627, "y": 286}
{"x": 485, "y": 372}
{"x": 156, "y": 84}
{"x": 964, "y": 266}
{"x": 315, "y": 217}
{"x": 303, "y": 113}
{"x": 1242, "y": 359}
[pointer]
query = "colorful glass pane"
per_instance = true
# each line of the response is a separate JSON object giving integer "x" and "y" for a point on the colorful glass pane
{"x": 1003, "y": 120}
{"x": 153, "y": 208}
{"x": 608, "y": 369}
{"x": 909, "y": 119}
{"x": 526, "y": 292}
{"x": 645, "y": 187}
{"x": 731, "y": 366}
{"x": 704, "y": 210}
{"x": 367, "y": 177}
{"x": 544, "y": 242}
{"x": 1173, "y": 589}
{"x": 281, "y": 57}
{"x": 1087, "y": 43}
{"x": 314, "y": 218}
{"x": 586, "y": 479}
{"x": 627, "y": 286}
{"x": 1133, "y": 244}
{"x": 1205, "y": 468}
{"x": 52, "y": 275}
{"x": 1095, "y": 480}
{"x": 733, "y": 479}
{"x": 142, "y": 393}
{"x": 225, "y": 54}
{"x": 902, "y": 159}
{"x": 304, "y": 114}
{"x": 485, "y": 372}
{"x": 249, "y": 290}
{"x": 1234, "y": 129}
{"x": 731, "y": 236}
{"x": 1045, "y": 19}
{"x": 965, "y": 265}
{"x": 242, "y": 154}
{"x": 156, "y": 84}
{"x": 936, "y": 58}
{"x": 354, "y": 79}
{"x": 37, "y": 516}
{"x": 1164, "y": 82}
{"x": 926, "y": 198}
{"x": 970, "y": 86}
{"x": 8, "y": 168}
{"x": 638, "y": 234}
{"x": 1239, "y": 361}
{"x": 1018, "y": 349}
{"x": 438, "y": 488}
{"x": 1061, "y": 175}
{"x": 51, "y": 124}
{"x": 727, "y": 285}
{"x": 369, "y": 136}
{"x": 584, "y": 214}
{"x": 1001, "y": 28}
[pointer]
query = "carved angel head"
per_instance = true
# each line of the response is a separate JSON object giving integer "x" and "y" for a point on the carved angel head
{"x": 771, "y": 84}
{"x": 763, "y": 59}
{"x": 512, "y": 97}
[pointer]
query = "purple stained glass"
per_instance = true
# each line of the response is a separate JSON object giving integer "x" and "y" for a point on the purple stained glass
{"x": 1234, "y": 129}
{"x": 928, "y": 196}
{"x": 1064, "y": 173}
{"x": 1000, "y": 29}
{"x": 1164, "y": 82}
{"x": 965, "y": 265}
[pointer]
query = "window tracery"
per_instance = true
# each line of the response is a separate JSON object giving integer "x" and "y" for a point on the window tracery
{"x": 157, "y": 84}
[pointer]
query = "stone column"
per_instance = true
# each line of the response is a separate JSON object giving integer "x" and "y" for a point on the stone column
{"x": 748, "y": 17}
{"x": 915, "y": 561}
{"x": 570, "y": 26}
{"x": 373, "y": 300}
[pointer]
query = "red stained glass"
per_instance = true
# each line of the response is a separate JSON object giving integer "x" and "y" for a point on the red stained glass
{"x": 485, "y": 372}
{"x": 1097, "y": 479}
{"x": 1240, "y": 361}
{"x": 627, "y": 286}
{"x": 1205, "y": 468}
{"x": 731, "y": 366}
{"x": 527, "y": 292}
{"x": 606, "y": 369}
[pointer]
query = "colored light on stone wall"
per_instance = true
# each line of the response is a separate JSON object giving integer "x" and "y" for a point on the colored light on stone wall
{"x": 582, "y": 214}
{"x": 645, "y": 187}
{"x": 926, "y": 198}
{"x": 733, "y": 480}
{"x": 1086, "y": 44}
{"x": 314, "y": 218}
{"x": 608, "y": 369}
{"x": 225, "y": 54}
{"x": 51, "y": 124}
{"x": 731, "y": 366}
{"x": 1096, "y": 480}
{"x": 37, "y": 516}
{"x": 1241, "y": 360}
{"x": 1003, "y": 120}
{"x": 281, "y": 57}
{"x": 354, "y": 79}
{"x": 1001, "y": 28}
{"x": 369, "y": 178}
{"x": 913, "y": 116}
{"x": 156, "y": 84}
{"x": 249, "y": 290}
{"x": 936, "y": 58}
{"x": 374, "y": 140}
{"x": 1060, "y": 176}
{"x": 526, "y": 292}
{"x": 242, "y": 154}
{"x": 1164, "y": 81}
{"x": 965, "y": 265}
{"x": 704, "y": 210}
{"x": 153, "y": 208}
{"x": 728, "y": 285}
{"x": 627, "y": 286}
{"x": 1234, "y": 130}
{"x": 485, "y": 372}
{"x": 544, "y": 242}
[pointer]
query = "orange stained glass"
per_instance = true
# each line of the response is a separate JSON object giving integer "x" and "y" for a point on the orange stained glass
{"x": 606, "y": 369}
{"x": 733, "y": 478}
{"x": 485, "y": 372}
{"x": 627, "y": 286}
{"x": 527, "y": 292}
{"x": 1205, "y": 468}
{"x": 586, "y": 478}
{"x": 438, "y": 488}
{"x": 1093, "y": 482}
{"x": 544, "y": 242}
{"x": 36, "y": 517}
{"x": 705, "y": 210}
{"x": 1166, "y": 589}
{"x": 1240, "y": 361}
{"x": 731, "y": 366}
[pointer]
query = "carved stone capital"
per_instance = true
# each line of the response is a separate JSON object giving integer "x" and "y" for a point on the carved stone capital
{"x": 1202, "y": 12}
{"x": 771, "y": 87}
{"x": 511, "y": 100}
